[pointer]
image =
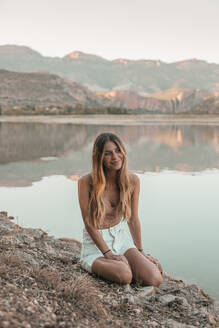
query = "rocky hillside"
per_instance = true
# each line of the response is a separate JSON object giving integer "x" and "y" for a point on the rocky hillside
{"x": 142, "y": 76}
{"x": 36, "y": 91}
{"x": 42, "y": 285}
{"x": 169, "y": 101}
{"x": 42, "y": 89}
{"x": 210, "y": 104}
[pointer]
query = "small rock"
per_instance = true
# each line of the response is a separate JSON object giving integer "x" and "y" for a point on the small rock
{"x": 118, "y": 323}
{"x": 152, "y": 298}
{"x": 152, "y": 324}
{"x": 128, "y": 288}
{"x": 195, "y": 311}
{"x": 30, "y": 309}
{"x": 170, "y": 323}
{"x": 146, "y": 291}
{"x": 53, "y": 316}
{"x": 211, "y": 319}
{"x": 128, "y": 299}
{"x": 27, "y": 325}
{"x": 114, "y": 303}
{"x": 167, "y": 299}
{"x": 183, "y": 302}
{"x": 149, "y": 307}
{"x": 137, "y": 311}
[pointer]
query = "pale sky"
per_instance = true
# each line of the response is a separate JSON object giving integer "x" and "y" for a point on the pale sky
{"x": 169, "y": 30}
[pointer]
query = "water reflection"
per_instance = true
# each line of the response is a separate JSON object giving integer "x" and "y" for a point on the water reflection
{"x": 27, "y": 149}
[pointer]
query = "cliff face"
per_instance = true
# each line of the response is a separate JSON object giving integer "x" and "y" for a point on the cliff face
{"x": 132, "y": 100}
{"x": 169, "y": 101}
{"x": 42, "y": 285}
{"x": 99, "y": 74}
{"x": 210, "y": 104}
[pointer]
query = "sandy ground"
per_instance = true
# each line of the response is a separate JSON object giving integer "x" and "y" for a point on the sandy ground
{"x": 115, "y": 119}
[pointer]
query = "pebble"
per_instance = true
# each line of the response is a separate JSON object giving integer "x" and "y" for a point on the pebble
{"x": 27, "y": 325}
{"x": 145, "y": 291}
{"x": 167, "y": 299}
{"x": 211, "y": 319}
{"x": 152, "y": 324}
{"x": 128, "y": 289}
{"x": 137, "y": 311}
{"x": 53, "y": 316}
{"x": 170, "y": 323}
{"x": 128, "y": 299}
{"x": 183, "y": 301}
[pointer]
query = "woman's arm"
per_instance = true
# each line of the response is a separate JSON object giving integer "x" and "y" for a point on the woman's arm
{"x": 134, "y": 222}
{"x": 83, "y": 197}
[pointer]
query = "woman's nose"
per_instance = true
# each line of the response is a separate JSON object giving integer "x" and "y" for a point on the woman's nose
{"x": 114, "y": 155}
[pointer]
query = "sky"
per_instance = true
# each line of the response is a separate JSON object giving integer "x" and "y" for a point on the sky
{"x": 168, "y": 30}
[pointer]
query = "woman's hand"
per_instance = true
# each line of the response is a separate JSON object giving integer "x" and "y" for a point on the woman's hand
{"x": 155, "y": 261}
{"x": 111, "y": 256}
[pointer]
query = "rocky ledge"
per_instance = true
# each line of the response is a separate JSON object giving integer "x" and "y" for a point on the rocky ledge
{"x": 42, "y": 285}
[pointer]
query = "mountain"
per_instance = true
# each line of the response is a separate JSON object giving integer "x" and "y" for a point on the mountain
{"x": 145, "y": 77}
{"x": 81, "y": 55}
{"x": 42, "y": 89}
{"x": 26, "y": 91}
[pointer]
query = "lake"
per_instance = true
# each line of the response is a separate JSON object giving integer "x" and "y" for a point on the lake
{"x": 178, "y": 166}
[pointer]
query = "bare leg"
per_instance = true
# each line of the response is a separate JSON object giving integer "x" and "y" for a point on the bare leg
{"x": 143, "y": 270}
{"x": 113, "y": 270}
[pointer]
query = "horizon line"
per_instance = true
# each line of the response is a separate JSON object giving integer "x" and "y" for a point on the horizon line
{"x": 104, "y": 58}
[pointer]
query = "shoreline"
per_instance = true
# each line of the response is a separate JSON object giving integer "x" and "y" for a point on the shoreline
{"x": 115, "y": 119}
{"x": 42, "y": 285}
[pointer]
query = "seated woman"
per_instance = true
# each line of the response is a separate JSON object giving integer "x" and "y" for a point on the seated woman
{"x": 108, "y": 198}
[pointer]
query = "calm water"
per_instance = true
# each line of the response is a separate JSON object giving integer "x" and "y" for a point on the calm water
{"x": 178, "y": 166}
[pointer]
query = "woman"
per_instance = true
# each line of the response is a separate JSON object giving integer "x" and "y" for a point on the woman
{"x": 108, "y": 199}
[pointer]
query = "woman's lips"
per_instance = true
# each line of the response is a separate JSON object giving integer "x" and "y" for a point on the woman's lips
{"x": 116, "y": 162}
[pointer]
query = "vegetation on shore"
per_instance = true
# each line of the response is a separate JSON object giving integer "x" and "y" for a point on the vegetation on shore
{"x": 83, "y": 110}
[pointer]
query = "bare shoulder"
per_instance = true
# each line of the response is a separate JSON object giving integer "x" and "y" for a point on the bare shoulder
{"x": 85, "y": 180}
{"x": 134, "y": 180}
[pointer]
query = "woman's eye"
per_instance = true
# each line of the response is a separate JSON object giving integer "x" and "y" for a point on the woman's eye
{"x": 107, "y": 154}
{"x": 118, "y": 150}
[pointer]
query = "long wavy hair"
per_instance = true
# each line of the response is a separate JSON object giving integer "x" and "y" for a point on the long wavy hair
{"x": 96, "y": 208}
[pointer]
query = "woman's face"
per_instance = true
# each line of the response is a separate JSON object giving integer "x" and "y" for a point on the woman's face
{"x": 112, "y": 156}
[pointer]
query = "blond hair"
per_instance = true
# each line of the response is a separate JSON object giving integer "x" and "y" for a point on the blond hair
{"x": 96, "y": 208}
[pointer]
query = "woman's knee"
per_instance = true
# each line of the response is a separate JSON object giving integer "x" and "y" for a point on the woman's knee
{"x": 151, "y": 279}
{"x": 157, "y": 279}
{"x": 124, "y": 274}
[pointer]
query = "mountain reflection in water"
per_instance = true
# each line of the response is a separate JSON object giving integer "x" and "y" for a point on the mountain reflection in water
{"x": 24, "y": 148}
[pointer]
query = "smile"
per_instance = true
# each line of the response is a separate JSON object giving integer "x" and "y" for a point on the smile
{"x": 116, "y": 162}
